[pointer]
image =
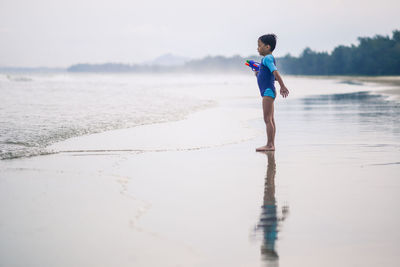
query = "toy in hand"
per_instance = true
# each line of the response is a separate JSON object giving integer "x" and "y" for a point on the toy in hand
{"x": 255, "y": 66}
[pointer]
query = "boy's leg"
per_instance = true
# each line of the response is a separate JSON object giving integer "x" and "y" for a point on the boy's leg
{"x": 268, "y": 110}
{"x": 273, "y": 122}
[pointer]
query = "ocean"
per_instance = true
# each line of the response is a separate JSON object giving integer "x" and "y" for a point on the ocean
{"x": 39, "y": 109}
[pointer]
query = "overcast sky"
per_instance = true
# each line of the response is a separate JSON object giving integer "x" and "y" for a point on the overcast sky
{"x": 58, "y": 33}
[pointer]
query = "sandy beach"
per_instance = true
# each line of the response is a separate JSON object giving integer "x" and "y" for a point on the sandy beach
{"x": 194, "y": 192}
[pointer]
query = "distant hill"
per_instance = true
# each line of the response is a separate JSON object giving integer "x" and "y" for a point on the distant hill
{"x": 170, "y": 60}
{"x": 378, "y": 55}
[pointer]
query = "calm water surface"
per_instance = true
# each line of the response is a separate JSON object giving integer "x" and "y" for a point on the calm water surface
{"x": 330, "y": 198}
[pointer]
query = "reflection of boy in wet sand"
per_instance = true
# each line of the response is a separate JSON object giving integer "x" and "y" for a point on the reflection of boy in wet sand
{"x": 266, "y": 77}
{"x": 269, "y": 218}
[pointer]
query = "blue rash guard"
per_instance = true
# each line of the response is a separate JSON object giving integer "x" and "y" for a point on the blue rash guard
{"x": 265, "y": 78}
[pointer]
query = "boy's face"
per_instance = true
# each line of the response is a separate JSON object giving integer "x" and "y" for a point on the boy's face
{"x": 263, "y": 49}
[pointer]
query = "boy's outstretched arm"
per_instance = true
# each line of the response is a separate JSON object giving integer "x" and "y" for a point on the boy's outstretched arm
{"x": 284, "y": 91}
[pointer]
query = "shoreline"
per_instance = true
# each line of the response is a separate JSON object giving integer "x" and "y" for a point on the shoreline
{"x": 201, "y": 129}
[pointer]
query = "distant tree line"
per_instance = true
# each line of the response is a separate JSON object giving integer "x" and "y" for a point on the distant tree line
{"x": 378, "y": 55}
{"x": 207, "y": 64}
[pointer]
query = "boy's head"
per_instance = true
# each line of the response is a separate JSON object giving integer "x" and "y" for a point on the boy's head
{"x": 266, "y": 44}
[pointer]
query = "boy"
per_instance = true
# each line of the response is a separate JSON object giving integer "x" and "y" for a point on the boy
{"x": 266, "y": 77}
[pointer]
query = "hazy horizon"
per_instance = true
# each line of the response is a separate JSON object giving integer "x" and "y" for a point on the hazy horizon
{"x": 61, "y": 33}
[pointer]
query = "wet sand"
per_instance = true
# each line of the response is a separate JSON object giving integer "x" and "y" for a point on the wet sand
{"x": 195, "y": 192}
{"x": 391, "y": 84}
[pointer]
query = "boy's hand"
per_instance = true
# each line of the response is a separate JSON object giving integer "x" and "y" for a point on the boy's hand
{"x": 284, "y": 91}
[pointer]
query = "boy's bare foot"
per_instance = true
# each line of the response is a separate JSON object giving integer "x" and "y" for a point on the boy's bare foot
{"x": 266, "y": 148}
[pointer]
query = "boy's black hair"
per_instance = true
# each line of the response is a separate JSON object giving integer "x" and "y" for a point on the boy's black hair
{"x": 269, "y": 39}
